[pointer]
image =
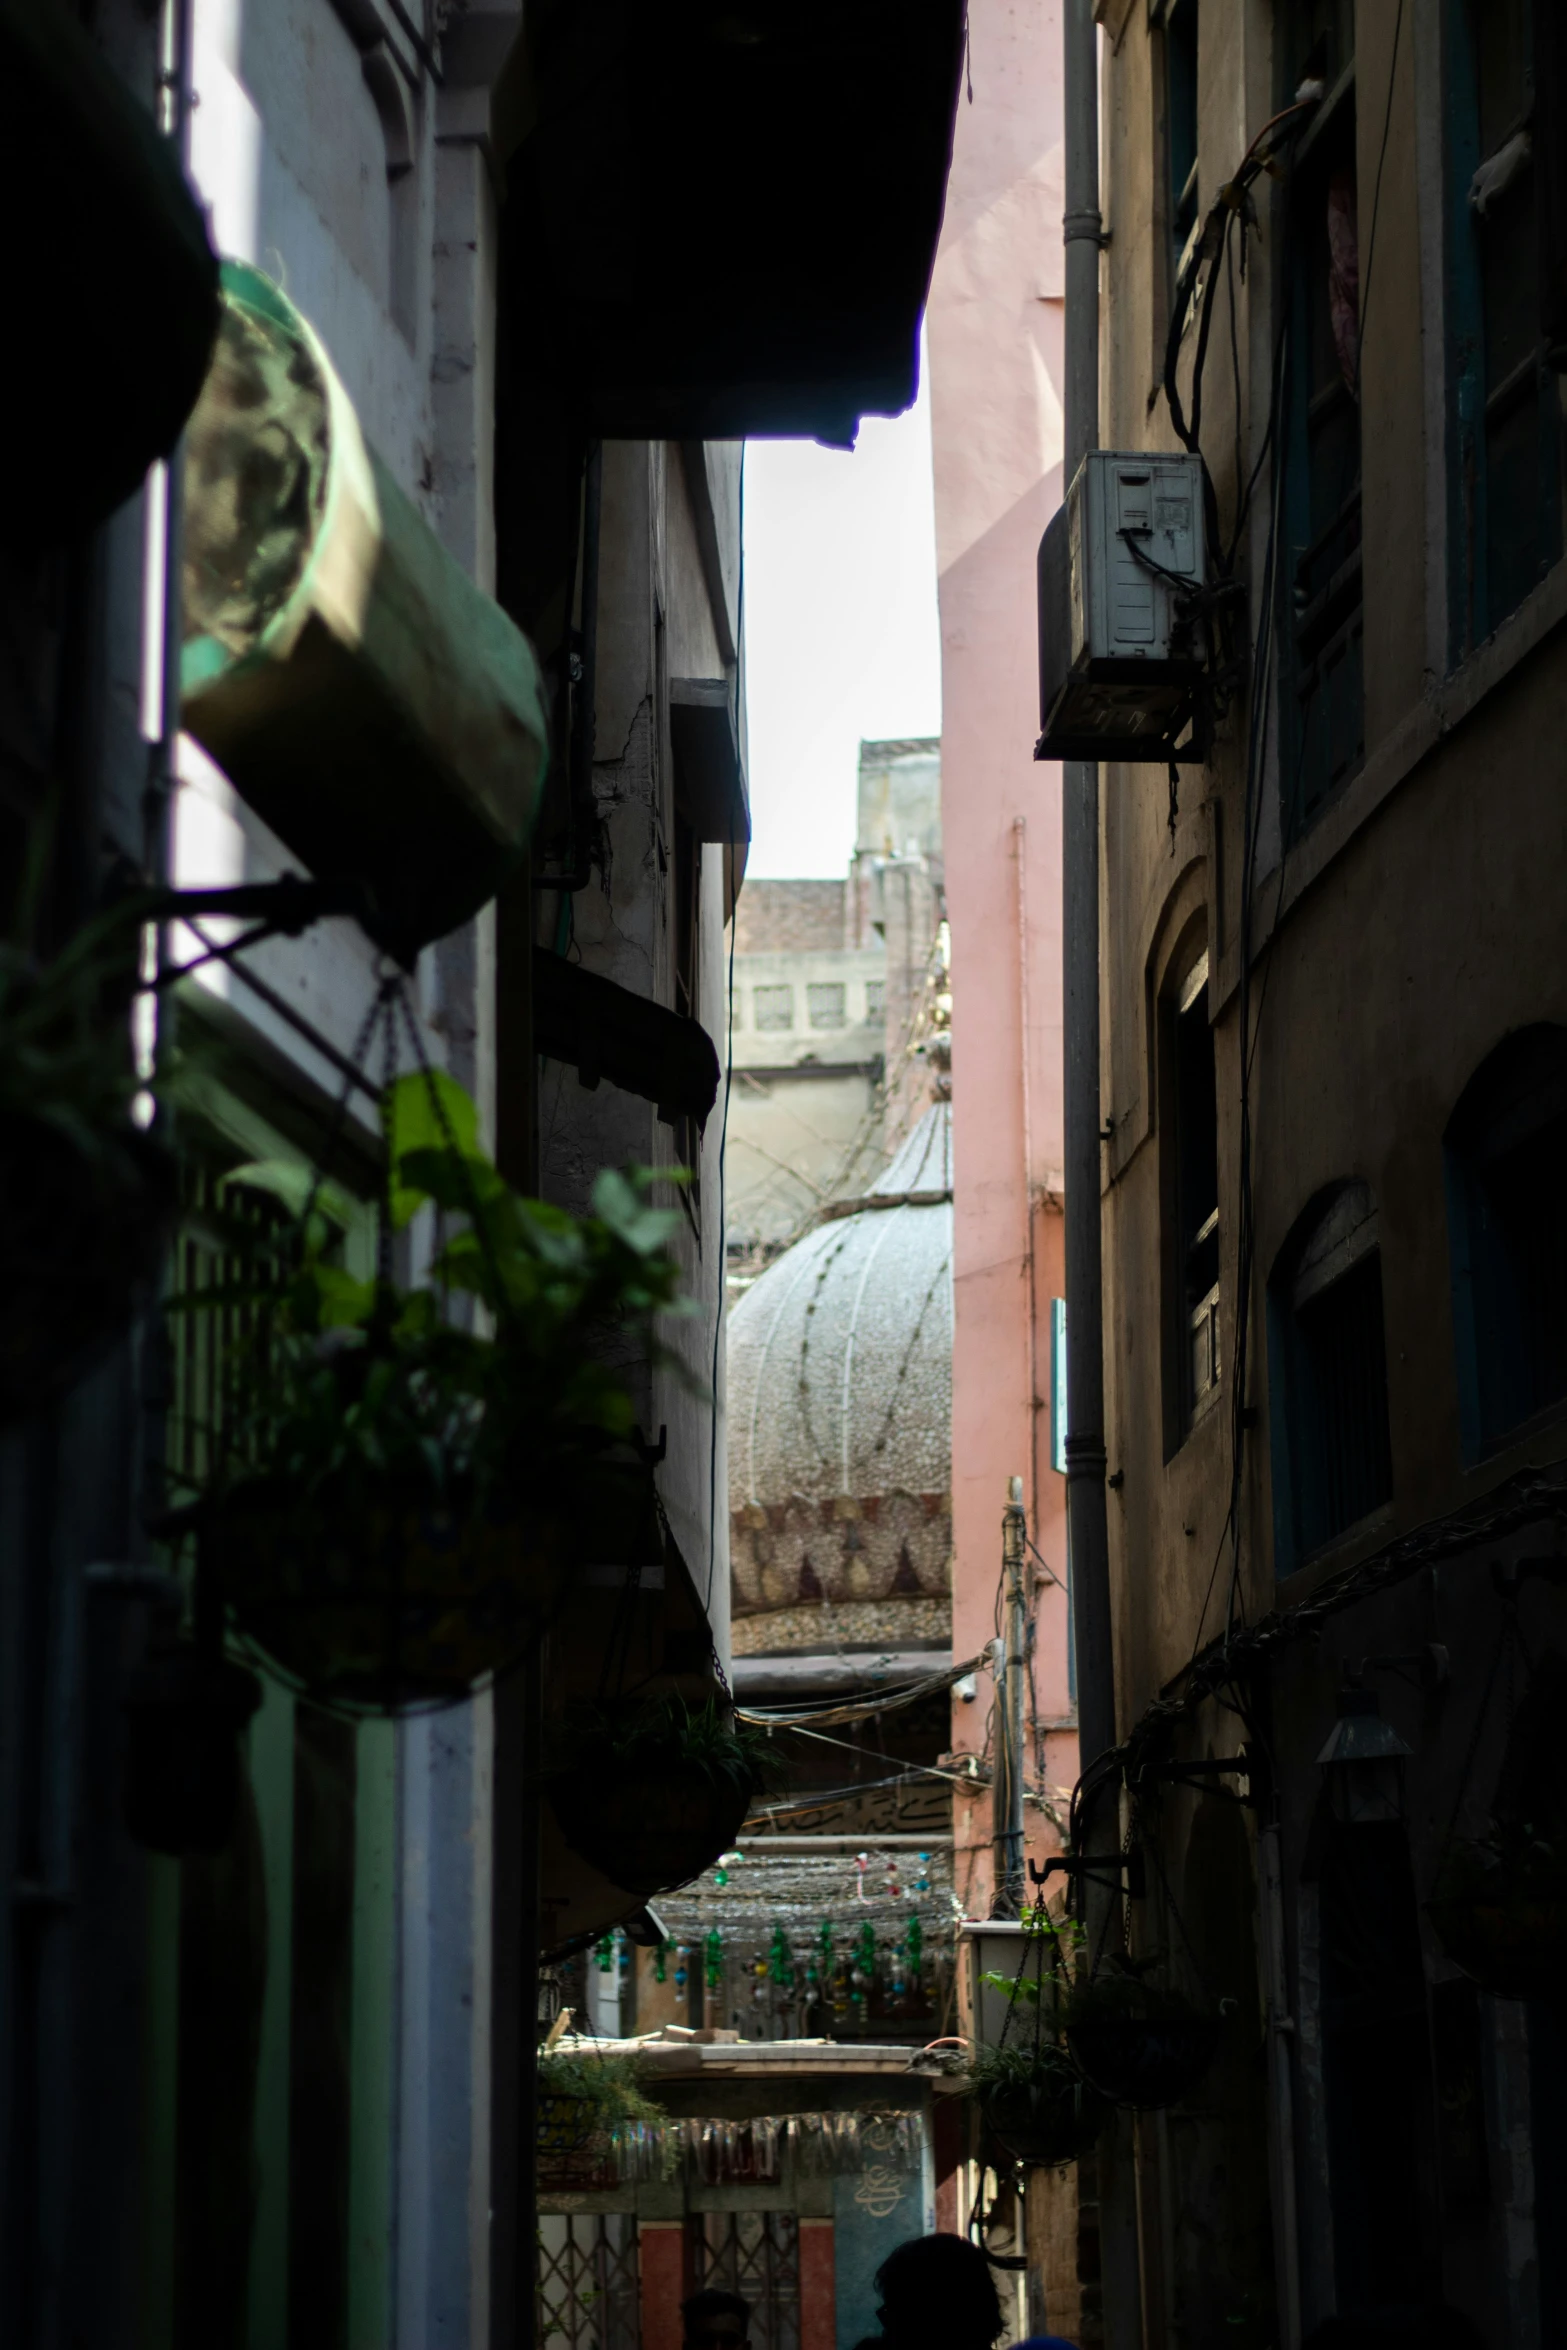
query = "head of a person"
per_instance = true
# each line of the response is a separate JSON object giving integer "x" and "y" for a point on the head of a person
{"x": 939, "y": 2289}
{"x": 715, "y": 2321}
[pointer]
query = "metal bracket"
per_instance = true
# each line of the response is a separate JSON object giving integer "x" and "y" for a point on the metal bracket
{"x": 1099, "y": 1868}
{"x": 1200, "y": 1774}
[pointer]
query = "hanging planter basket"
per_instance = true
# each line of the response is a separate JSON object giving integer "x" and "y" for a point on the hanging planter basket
{"x": 654, "y": 1805}
{"x": 1502, "y": 1917}
{"x": 382, "y": 1603}
{"x": 586, "y": 2104}
{"x": 1137, "y": 2045}
{"x": 401, "y": 1499}
{"x": 1038, "y": 2109}
{"x": 83, "y": 1227}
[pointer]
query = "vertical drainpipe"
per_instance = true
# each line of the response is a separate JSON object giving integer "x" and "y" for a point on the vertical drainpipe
{"x": 1011, "y": 1892}
{"x": 1087, "y": 1532}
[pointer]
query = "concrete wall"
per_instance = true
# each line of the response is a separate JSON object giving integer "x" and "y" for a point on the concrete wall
{"x": 994, "y": 331}
{"x": 1412, "y": 927}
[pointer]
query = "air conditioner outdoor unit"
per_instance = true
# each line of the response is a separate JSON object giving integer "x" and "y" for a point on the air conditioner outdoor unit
{"x": 1120, "y": 654}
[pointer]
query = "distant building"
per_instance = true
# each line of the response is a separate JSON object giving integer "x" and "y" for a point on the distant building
{"x": 839, "y": 1008}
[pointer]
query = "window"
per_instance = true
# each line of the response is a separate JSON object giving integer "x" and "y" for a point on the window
{"x": 774, "y": 1007}
{"x": 1178, "y": 20}
{"x": 1332, "y": 1462}
{"x": 875, "y": 999}
{"x": 1191, "y": 1196}
{"x": 1504, "y": 513}
{"x": 1323, "y": 711}
{"x": 1506, "y": 1150}
{"x": 824, "y": 1001}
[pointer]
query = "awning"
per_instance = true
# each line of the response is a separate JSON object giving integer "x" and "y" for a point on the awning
{"x": 111, "y": 285}
{"x": 728, "y": 217}
{"x": 604, "y": 1030}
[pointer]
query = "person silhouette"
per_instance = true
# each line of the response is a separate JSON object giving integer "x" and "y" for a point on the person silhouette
{"x": 936, "y": 2293}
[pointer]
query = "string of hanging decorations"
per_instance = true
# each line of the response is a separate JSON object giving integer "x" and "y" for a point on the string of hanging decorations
{"x": 793, "y": 1943}
{"x": 721, "y": 2153}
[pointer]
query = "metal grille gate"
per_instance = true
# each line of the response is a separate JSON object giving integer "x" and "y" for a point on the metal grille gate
{"x": 755, "y": 2254}
{"x": 588, "y": 2286}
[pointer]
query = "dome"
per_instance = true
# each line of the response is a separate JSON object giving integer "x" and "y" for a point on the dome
{"x": 840, "y": 1403}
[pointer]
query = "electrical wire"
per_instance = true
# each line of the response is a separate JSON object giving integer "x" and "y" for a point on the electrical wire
{"x": 1376, "y": 196}
{"x": 854, "y": 1709}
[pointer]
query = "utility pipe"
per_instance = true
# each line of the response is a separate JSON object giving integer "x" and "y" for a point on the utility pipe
{"x": 1085, "y": 1439}
{"x": 1010, "y": 1885}
{"x": 1087, "y": 1533}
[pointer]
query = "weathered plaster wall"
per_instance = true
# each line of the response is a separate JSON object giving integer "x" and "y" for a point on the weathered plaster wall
{"x": 1411, "y": 928}
{"x": 994, "y": 331}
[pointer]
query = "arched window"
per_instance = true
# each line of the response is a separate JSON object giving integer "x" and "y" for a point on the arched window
{"x": 1506, "y": 1149}
{"x": 1332, "y": 1462}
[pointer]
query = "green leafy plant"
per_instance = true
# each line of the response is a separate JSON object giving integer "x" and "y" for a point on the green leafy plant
{"x": 1136, "y": 2039}
{"x": 706, "y": 1739}
{"x": 1018, "y": 2064}
{"x": 606, "y": 2086}
{"x": 653, "y": 1796}
{"x": 396, "y": 1493}
{"x": 1034, "y": 2101}
{"x": 364, "y": 1381}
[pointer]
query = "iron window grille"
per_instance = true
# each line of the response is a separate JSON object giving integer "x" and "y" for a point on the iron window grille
{"x": 757, "y": 2255}
{"x": 588, "y": 2289}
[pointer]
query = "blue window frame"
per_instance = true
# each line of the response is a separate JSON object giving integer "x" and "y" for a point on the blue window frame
{"x": 1506, "y": 1166}
{"x": 1327, "y": 1357}
{"x": 1504, "y": 413}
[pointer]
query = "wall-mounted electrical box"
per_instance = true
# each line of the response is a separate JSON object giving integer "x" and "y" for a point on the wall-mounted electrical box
{"x": 1120, "y": 653}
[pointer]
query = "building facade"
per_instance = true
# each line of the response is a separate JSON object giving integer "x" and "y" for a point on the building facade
{"x": 994, "y": 341}
{"x": 1333, "y": 1031}
{"x": 278, "y": 2088}
{"x": 839, "y": 1012}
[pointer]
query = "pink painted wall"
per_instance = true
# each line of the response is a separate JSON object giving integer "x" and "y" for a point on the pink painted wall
{"x": 995, "y": 346}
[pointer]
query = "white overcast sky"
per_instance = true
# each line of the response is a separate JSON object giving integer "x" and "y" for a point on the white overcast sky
{"x": 840, "y": 629}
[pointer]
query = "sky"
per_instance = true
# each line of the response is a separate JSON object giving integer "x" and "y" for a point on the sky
{"x": 840, "y": 629}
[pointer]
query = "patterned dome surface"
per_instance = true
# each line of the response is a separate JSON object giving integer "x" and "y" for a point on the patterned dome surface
{"x": 840, "y": 1397}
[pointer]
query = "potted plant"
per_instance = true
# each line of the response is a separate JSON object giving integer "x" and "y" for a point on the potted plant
{"x": 1034, "y": 2102}
{"x": 86, "y": 1197}
{"x": 651, "y": 1798}
{"x": 1134, "y": 2041}
{"x": 584, "y": 2096}
{"x": 397, "y": 1498}
{"x": 1500, "y": 1911}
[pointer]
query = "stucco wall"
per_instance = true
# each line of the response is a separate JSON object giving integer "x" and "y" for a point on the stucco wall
{"x": 994, "y": 332}
{"x": 1405, "y": 933}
